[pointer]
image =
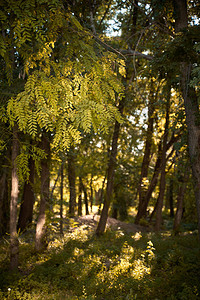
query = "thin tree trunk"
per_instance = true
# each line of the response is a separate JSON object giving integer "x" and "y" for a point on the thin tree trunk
{"x": 179, "y": 210}
{"x": 54, "y": 186}
{"x": 72, "y": 181}
{"x": 4, "y": 204}
{"x": 14, "y": 243}
{"x": 163, "y": 165}
{"x": 101, "y": 195}
{"x": 85, "y": 196}
{"x": 61, "y": 197}
{"x": 154, "y": 180}
{"x": 110, "y": 178}
{"x": 80, "y": 199}
{"x": 91, "y": 194}
{"x": 145, "y": 163}
{"x": 171, "y": 198}
{"x": 143, "y": 205}
{"x": 28, "y": 199}
{"x": 191, "y": 106}
{"x": 40, "y": 238}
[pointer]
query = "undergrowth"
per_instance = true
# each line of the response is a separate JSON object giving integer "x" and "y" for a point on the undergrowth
{"x": 115, "y": 266}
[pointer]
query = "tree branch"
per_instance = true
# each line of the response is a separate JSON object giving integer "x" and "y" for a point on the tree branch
{"x": 136, "y": 53}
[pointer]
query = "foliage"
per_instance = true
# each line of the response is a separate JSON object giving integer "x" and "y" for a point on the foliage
{"x": 115, "y": 266}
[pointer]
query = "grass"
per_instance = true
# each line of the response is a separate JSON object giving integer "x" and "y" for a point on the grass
{"x": 115, "y": 266}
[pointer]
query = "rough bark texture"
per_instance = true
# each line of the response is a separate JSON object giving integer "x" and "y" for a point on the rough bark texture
{"x": 191, "y": 106}
{"x": 28, "y": 199}
{"x": 14, "y": 243}
{"x": 72, "y": 181}
{"x": 40, "y": 238}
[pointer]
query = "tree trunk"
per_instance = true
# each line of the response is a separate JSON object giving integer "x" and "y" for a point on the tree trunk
{"x": 171, "y": 199}
{"x": 154, "y": 180}
{"x": 163, "y": 165}
{"x": 80, "y": 199}
{"x": 28, "y": 199}
{"x": 72, "y": 181}
{"x": 91, "y": 194}
{"x": 179, "y": 210}
{"x": 101, "y": 195}
{"x": 14, "y": 243}
{"x": 191, "y": 106}
{"x": 61, "y": 197}
{"x": 145, "y": 163}
{"x": 4, "y": 205}
{"x": 142, "y": 209}
{"x": 40, "y": 238}
{"x": 110, "y": 178}
{"x": 85, "y": 196}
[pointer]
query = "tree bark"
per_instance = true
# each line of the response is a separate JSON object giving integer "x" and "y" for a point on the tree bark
{"x": 179, "y": 209}
{"x": 110, "y": 177}
{"x": 40, "y": 238}
{"x": 154, "y": 180}
{"x": 171, "y": 198}
{"x": 146, "y": 160}
{"x": 91, "y": 194}
{"x": 14, "y": 243}
{"x": 85, "y": 196}
{"x": 80, "y": 199}
{"x": 163, "y": 165}
{"x": 61, "y": 197}
{"x": 72, "y": 181}
{"x": 191, "y": 106}
{"x": 28, "y": 199}
{"x": 4, "y": 204}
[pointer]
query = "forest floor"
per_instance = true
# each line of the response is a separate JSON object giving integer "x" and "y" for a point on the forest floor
{"x": 91, "y": 221}
{"x": 127, "y": 262}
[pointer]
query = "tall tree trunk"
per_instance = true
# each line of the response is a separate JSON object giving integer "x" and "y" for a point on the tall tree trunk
{"x": 40, "y": 238}
{"x": 163, "y": 165}
{"x": 191, "y": 106}
{"x": 101, "y": 195}
{"x": 91, "y": 193}
{"x": 145, "y": 163}
{"x": 110, "y": 177}
{"x": 72, "y": 181}
{"x": 28, "y": 199}
{"x": 4, "y": 204}
{"x": 171, "y": 199}
{"x": 142, "y": 209}
{"x": 80, "y": 198}
{"x": 179, "y": 209}
{"x": 154, "y": 180}
{"x": 14, "y": 243}
{"x": 61, "y": 196}
{"x": 85, "y": 196}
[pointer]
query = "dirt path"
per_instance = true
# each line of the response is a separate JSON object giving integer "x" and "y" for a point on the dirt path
{"x": 92, "y": 221}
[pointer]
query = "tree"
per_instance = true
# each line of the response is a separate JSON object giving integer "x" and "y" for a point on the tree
{"x": 14, "y": 244}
